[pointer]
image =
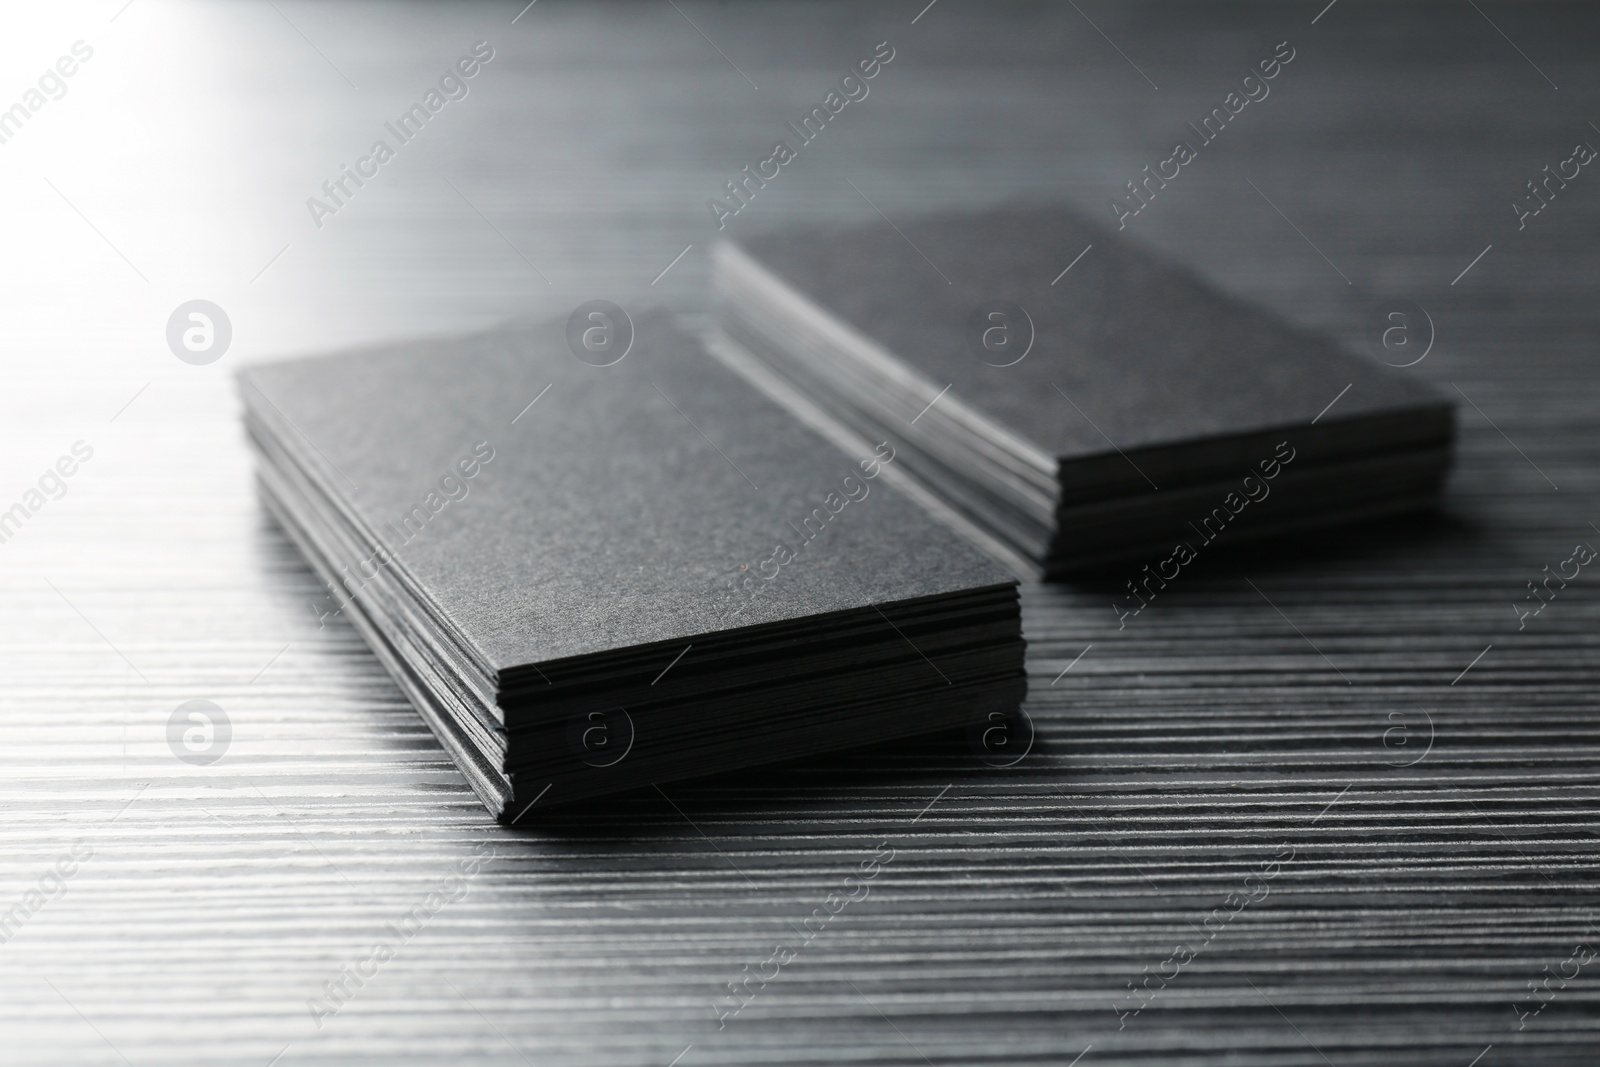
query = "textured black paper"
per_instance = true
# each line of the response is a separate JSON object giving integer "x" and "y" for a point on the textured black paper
{"x": 617, "y": 510}
{"x": 1152, "y": 354}
{"x": 1127, "y": 394}
{"x": 651, "y": 541}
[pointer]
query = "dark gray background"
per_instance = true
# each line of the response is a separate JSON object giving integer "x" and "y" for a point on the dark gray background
{"x": 1173, "y": 758}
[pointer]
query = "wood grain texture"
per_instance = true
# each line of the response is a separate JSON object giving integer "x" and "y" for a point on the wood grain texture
{"x": 1223, "y": 726}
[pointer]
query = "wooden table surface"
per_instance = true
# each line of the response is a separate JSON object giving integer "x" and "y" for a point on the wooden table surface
{"x": 1321, "y": 803}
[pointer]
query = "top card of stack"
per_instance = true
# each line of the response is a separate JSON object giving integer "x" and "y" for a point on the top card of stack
{"x": 592, "y": 574}
{"x": 1066, "y": 418}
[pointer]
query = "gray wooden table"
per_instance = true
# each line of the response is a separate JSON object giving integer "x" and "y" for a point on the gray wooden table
{"x": 1324, "y": 802}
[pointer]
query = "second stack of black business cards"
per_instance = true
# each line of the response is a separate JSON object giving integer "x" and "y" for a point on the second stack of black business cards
{"x": 1067, "y": 398}
{"x": 590, "y": 578}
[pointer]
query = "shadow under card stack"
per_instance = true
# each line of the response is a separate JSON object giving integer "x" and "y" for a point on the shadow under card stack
{"x": 589, "y": 579}
{"x": 1066, "y": 398}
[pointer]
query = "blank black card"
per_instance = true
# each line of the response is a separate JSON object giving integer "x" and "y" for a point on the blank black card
{"x": 1068, "y": 412}
{"x": 590, "y": 578}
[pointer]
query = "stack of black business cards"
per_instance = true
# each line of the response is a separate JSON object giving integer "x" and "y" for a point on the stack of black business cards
{"x": 591, "y": 577}
{"x": 1066, "y": 398}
